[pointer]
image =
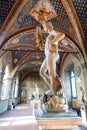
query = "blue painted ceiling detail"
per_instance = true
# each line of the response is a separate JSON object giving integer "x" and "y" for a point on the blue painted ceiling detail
{"x": 28, "y": 39}
{"x": 62, "y": 21}
{"x": 5, "y": 7}
{"x": 81, "y": 9}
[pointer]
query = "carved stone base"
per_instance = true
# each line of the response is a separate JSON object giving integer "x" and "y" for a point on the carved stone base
{"x": 60, "y": 108}
{"x": 59, "y": 124}
{"x": 59, "y": 121}
{"x": 55, "y": 103}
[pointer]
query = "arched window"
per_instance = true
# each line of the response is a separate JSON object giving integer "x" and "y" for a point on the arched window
{"x": 15, "y": 89}
{"x": 73, "y": 84}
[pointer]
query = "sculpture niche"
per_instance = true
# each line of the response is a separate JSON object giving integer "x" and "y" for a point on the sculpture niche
{"x": 48, "y": 67}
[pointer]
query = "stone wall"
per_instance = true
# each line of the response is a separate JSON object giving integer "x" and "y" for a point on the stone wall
{"x": 81, "y": 80}
{"x": 16, "y": 100}
{"x": 84, "y": 66}
{"x": 28, "y": 87}
{"x": 3, "y": 105}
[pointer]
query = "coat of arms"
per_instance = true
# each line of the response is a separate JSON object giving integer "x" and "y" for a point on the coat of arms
{"x": 43, "y": 11}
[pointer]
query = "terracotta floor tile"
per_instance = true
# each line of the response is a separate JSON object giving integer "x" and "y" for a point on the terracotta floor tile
{"x": 19, "y": 118}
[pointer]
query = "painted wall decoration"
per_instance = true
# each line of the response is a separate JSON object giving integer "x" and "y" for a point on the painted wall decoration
{"x": 43, "y": 11}
{"x": 78, "y": 71}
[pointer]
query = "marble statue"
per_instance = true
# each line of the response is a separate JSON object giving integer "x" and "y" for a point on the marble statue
{"x": 36, "y": 93}
{"x": 54, "y": 99}
{"x": 48, "y": 67}
{"x": 39, "y": 38}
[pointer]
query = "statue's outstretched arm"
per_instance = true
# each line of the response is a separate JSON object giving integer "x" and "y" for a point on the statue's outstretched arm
{"x": 39, "y": 38}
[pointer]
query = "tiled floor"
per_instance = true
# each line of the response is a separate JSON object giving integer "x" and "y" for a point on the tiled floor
{"x": 20, "y": 118}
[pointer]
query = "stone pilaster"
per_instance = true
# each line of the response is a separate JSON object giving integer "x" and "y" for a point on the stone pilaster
{"x": 84, "y": 66}
{"x": 10, "y": 92}
{"x": 11, "y": 89}
{"x": 1, "y": 81}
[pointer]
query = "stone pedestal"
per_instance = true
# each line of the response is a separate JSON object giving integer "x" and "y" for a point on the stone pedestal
{"x": 10, "y": 106}
{"x": 59, "y": 124}
{"x": 36, "y": 103}
{"x": 59, "y": 121}
{"x": 37, "y": 107}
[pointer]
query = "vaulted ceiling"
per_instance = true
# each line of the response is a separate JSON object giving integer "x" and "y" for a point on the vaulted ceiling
{"x": 17, "y": 28}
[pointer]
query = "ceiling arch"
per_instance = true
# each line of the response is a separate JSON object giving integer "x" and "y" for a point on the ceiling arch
{"x": 17, "y": 29}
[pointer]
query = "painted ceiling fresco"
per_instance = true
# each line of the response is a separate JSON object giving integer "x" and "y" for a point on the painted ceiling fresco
{"x": 5, "y": 7}
{"x": 81, "y": 8}
{"x": 18, "y": 20}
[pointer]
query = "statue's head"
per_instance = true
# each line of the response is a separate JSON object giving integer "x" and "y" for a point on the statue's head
{"x": 47, "y": 26}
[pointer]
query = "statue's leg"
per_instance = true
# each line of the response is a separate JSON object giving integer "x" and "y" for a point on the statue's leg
{"x": 55, "y": 82}
{"x": 43, "y": 74}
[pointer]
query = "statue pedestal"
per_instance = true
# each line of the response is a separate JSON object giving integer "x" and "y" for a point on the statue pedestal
{"x": 59, "y": 121}
{"x": 36, "y": 103}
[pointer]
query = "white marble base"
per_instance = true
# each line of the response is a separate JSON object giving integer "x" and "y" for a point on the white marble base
{"x": 59, "y": 122}
{"x": 36, "y": 103}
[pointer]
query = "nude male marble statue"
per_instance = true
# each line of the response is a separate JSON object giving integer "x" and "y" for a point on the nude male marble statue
{"x": 48, "y": 67}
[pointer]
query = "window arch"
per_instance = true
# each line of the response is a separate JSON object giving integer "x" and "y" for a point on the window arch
{"x": 73, "y": 84}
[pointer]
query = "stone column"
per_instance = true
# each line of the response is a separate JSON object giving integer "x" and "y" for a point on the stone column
{"x": 10, "y": 92}
{"x": 1, "y": 81}
{"x": 0, "y": 84}
{"x": 84, "y": 65}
